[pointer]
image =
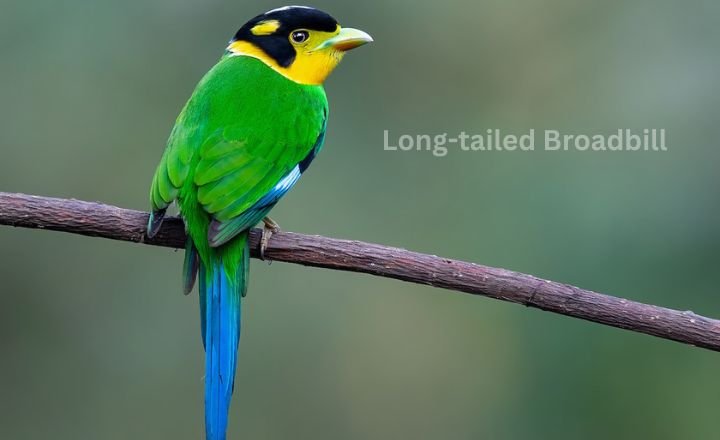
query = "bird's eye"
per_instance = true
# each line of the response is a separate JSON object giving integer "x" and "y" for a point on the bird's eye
{"x": 299, "y": 36}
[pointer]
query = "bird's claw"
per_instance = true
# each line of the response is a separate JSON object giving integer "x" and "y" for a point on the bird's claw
{"x": 269, "y": 228}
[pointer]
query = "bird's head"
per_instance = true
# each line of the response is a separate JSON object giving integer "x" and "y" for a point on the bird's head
{"x": 301, "y": 43}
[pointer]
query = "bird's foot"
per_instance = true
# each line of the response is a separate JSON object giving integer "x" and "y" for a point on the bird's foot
{"x": 269, "y": 228}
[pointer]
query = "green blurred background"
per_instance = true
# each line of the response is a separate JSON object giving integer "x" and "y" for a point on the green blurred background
{"x": 99, "y": 343}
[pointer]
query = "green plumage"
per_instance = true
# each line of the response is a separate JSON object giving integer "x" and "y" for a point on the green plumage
{"x": 240, "y": 143}
{"x": 244, "y": 128}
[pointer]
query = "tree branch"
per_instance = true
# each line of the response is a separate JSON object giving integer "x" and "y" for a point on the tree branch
{"x": 98, "y": 220}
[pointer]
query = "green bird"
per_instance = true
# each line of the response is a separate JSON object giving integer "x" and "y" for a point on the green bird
{"x": 251, "y": 128}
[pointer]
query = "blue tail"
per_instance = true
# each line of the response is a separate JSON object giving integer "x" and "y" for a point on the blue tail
{"x": 220, "y": 299}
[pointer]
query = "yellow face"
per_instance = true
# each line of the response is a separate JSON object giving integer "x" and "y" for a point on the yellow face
{"x": 301, "y": 54}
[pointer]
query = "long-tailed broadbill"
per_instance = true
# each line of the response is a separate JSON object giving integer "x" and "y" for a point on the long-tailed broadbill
{"x": 251, "y": 128}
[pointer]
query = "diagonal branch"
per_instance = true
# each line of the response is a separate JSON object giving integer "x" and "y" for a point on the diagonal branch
{"x": 106, "y": 221}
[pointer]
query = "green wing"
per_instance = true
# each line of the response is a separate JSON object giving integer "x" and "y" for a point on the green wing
{"x": 172, "y": 171}
{"x": 243, "y": 132}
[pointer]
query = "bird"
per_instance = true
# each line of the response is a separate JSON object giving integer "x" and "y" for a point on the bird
{"x": 249, "y": 131}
